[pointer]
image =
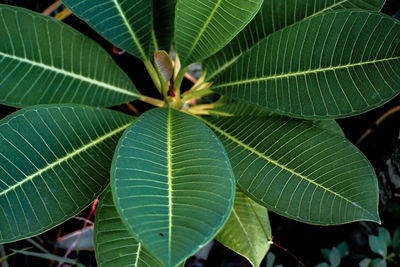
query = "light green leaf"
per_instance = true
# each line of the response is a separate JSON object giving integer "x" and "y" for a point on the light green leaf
{"x": 334, "y": 257}
{"x": 172, "y": 183}
{"x": 124, "y": 23}
{"x": 114, "y": 244}
{"x": 45, "y": 61}
{"x": 247, "y": 230}
{"x": 299, "y": 170}
{"x": 332, "y": 65}
{"x": 54, "y": 161}
{"x": 384, "y": 234}
{"x": 204, "y": 27}
{"x": 164, "y": 14}
{"x": 273, "y": 16}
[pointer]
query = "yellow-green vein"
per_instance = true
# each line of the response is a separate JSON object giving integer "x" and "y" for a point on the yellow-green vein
{"x": 65, "y": 158}
{"x": 169, "y": 144}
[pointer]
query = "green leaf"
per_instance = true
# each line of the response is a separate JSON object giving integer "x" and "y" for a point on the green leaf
{"x": 164, "y": 14}
{"x": 55, "y": 160}
{"x": 334, "y": 257}
{"x": 273, "y": 16}
{"x": 204, "y": 27}
{"x": 126, "y": 24}
{"x": 227, "y": 107}
{"x": 343, "y": 249}
{"x": 384, "y": 235}
{"x": 332, "y": 65}
{"x": 172, "y": 183}
{"x": 377, "y": 245}
{"x": 379, "y": 262}
{"x": 299, "y": 170}
{"x": 45, "y": 61}
{"x": 396, "y": 241}
{"x": 247, "y": 230}
{"x": 114, "y": 244}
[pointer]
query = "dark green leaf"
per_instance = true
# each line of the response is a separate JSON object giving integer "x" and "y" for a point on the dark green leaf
{"x": 273, "y": 16}
{"x": 247, "y": 230}
{"x": 204, "y": 27}
{"x": 45, "y": 61}
{"x": 343, "y": 249}
{"x": 384, "y": 235}
{"x": 396, "y": 241}
{"x": 172, "y": 183}
{"x": 332, "y": 65}
{"x": 114, "y": 244}
{"x": 127, "y": 24}
{"x": 164, "y": 14}
{"x": 377, "y": 263}
{"x": 55, "y": 160}
{"x": 299, "y": 170}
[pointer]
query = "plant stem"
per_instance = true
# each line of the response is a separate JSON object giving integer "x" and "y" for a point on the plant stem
{"x": 153, "y": 74}
{"x": 153, "y": 101}
{"x": 178, "y": 82}
{"x": 196, "y": 94}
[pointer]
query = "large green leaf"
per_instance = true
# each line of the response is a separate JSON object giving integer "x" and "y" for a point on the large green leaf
{"x": 299, "y": 170}
{"x": 273, "y": 16}
{"x": 230, "y": 107}
{"x": 114, "y": 245}
{"x": 204, "y": 27}
{"x": 247, "y": 230}
{"x": 164, "y": 14}
{"x": 127, "y": 24}
{"x": 45, "y": 61}
{"x": 172, "y": 183}
{"x": 335, "y": 64}
{"x": 54, "y": 161}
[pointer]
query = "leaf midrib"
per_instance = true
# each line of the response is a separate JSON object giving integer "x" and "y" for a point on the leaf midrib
{"x": 131, "y": 32}
{"x": 65, "y": 158}
{"x": 306, "y": 72}
{"x": 189, "y": 53}
{"x": 73, "y": 75}
{"x": 276, "y": 163}
{"x": 169, "y": 145}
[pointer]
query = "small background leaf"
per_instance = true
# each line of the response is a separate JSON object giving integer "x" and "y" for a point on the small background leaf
{"x": 247, "y": 230}
{"x": 377, "y": 245}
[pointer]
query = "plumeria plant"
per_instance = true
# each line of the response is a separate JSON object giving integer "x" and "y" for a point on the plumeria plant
{"x": 191, "y": 169}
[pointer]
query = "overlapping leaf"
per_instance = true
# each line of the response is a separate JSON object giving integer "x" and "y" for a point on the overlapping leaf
{"x": 127, "y": 24}
{"x": 172, "y": 183}
{"x": 54, "y": 161}
{"x": 45, "y": 61}
{"x": 273, "y": 16}
{"x": 164, "y": 14}
{"x": 204, "y": 27}
{"x": 236, "y": 108}
{"x": 299, "y": 171}
{"x": 114, "y": 245}
{"x": 247, "y": 230}
{"x": 335, "y": 64}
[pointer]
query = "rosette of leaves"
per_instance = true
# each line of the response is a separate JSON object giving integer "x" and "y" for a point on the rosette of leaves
{"x": 283, "y": 70}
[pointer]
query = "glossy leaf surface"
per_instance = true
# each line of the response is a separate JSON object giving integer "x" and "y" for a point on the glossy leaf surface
{"x": 299, "y": 170}
{"x": 204, "y": 27}
{"x": 125, "y": 23}
{"x": 45, "y": 61}
{"x": 332, "y": 65}
{"x": 114, "y": 244}
{"x": 172, "y": 183}
{"x": 54, "y": 161}
{"x": 247, "y": 230}
{"x": 273, "y": 16}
